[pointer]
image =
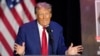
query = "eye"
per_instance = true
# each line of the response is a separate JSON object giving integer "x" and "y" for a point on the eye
{"x": 47, "y": 13}
{"x": 40, "y": 14}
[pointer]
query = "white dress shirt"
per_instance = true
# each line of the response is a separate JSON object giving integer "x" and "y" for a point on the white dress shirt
{"x": 40, "y": 27}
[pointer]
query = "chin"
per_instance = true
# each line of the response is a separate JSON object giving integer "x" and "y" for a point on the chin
{"x": 45, "y": 25}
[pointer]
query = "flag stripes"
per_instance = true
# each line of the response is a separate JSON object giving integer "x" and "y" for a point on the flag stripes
{"x": 13, "y": 14}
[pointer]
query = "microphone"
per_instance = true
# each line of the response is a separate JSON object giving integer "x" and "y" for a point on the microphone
{"x": 50, "y": 37}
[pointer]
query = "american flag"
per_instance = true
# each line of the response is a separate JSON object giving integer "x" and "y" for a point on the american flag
{"x": 13, "y": 13}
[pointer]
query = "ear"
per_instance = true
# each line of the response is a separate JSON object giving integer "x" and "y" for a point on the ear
{"x": 51, "y": 14}
{"x": 35, "y": 15}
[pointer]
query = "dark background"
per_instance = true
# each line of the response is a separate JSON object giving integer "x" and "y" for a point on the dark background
{"x": 67, "y": 14}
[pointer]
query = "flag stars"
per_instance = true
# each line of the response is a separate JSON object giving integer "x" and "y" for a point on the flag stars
{"x": 17, "y": 1}
{"x": 12, "y": 0}
{"x": 11, "y": 5}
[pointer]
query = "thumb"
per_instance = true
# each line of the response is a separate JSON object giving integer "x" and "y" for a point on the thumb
{"x": 71, "y": 45}
{"x": 23, "y": 44}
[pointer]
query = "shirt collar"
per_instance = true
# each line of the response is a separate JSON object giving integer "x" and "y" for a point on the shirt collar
{"x": 40, "y": 26}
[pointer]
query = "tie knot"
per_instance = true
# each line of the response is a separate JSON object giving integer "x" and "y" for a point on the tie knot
{"x": 44, "y": 27}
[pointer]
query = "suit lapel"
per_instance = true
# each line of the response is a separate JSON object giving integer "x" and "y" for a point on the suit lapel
{"x": 51, "y": 46}
{"x": 37, "y": 37}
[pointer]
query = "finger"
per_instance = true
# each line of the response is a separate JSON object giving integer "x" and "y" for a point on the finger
{"x": 16, "y": 44}
{"x": 23, "y": 44}
{"x": 15, "y": 47}
{"x": 71, "y": 45}
{"x": 16, "y": 53}
{"x": 79, "y": 46}
{"x": 81, "y": 50}
{"x": 78, "y": 54}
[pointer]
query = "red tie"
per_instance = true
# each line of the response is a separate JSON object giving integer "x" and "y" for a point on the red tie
{"x": 44, "y": 43}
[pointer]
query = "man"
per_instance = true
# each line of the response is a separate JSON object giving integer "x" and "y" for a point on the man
{"x": 43, "y": 36}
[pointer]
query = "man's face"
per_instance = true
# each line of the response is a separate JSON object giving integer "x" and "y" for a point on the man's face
{"x": 43, "y": 16}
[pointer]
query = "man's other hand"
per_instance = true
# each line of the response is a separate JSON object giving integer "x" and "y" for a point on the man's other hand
{"x": 20, "y": 49}
{"x": 74, "y": 50}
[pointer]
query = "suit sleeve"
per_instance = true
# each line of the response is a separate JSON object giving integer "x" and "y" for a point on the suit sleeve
{"x": 61, "y": 45}
{"x": 20, "y": 36}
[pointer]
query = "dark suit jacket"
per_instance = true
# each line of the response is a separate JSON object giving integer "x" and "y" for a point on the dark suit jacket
{"x": 29, "y": 34}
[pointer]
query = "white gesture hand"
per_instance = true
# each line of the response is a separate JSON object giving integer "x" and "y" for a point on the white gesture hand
{"x": 20, "y": 49}
{"x": 74, "y": 50}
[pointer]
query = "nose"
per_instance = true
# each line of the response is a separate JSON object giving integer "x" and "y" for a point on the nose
{"x": 44, "y": 16}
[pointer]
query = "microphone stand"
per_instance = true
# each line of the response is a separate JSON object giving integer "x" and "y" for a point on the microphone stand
{"x": 50, "y": 38}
